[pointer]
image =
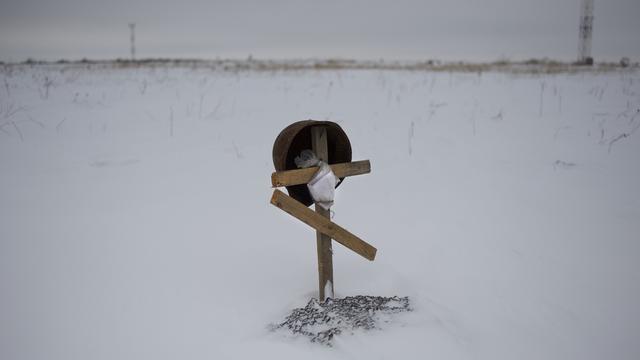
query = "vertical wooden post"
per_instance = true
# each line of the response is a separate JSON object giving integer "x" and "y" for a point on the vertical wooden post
{"x": 325, "y": 254}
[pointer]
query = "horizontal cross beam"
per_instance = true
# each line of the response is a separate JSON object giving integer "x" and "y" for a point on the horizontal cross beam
{"x": 322, "y": 224}
{"x": 303, "y": 176}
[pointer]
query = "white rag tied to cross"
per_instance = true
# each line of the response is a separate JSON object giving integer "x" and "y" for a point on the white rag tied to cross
{"x": 323, "y": 183}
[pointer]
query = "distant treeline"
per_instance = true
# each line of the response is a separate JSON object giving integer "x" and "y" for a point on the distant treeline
{"x": 543, "y": 65}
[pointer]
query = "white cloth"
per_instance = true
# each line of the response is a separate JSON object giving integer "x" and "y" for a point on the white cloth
{"x": 323, "y": 183}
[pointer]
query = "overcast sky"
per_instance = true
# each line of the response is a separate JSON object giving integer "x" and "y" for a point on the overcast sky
{"x": 395, "y": 29}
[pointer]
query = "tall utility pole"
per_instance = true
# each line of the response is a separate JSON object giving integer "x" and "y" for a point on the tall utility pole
{"x": 586, "y": 28}
{"x": 132, "y": 28}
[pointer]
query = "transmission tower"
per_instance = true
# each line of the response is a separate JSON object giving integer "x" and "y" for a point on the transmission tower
{"x": 586, "y": 29}
{"x": 132, "y": 28}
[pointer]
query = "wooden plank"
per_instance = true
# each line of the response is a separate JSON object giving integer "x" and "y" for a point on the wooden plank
{"x": 323, "y": 242}
{"x": 322, "y": 224}
{"x": 302, "y": 176}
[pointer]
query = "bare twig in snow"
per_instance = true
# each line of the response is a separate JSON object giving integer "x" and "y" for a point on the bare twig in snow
{"x": 433, "y": 108}
{"x": 560, "y": 101}
{"x": 236, "y": 150}
{"x": 17, "y": 130}
{"x": 39, "y": 123}
{"x": 212, "y": 114}
{"x": 563, "y": 165}
{"x": 616, "y": 139}
{"x": 602, "y": 89}
{"x": 626, "y": 134}
{"x": 3, "y": 130}
{"x": 171, "y": 122}
{"x": 9, "y": 110}
{"x": 60, "y": 125}
{"x": 44, "y": 94}
{"x": 143, "y": 87}
{"x": 7, "y": 88}
{"x": 326, "y": 98}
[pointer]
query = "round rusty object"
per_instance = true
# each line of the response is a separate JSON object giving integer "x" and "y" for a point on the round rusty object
{"x": 297, "y": 137}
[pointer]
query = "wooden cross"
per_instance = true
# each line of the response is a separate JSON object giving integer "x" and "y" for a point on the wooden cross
{"x": 319, "y": 220}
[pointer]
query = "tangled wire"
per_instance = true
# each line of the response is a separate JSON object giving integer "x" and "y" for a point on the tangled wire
{"x": 321, "y": 321}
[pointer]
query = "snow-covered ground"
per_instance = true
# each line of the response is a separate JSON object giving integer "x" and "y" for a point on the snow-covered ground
{"x": 135, "y": 220}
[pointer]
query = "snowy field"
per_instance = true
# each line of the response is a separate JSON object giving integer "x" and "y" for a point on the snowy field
{"x": 135, "y": 220}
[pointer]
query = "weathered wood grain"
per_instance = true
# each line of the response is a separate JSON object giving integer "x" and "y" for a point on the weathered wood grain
{"x": 303, "y": 176}
{"x": 323, "y": 242}
{"x": 322, "y": 224}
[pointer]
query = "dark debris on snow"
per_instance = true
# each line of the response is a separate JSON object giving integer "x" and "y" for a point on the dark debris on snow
{"x": 321, "y": 321}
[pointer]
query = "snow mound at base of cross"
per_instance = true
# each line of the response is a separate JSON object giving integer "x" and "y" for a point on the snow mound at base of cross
{"x": 321, "y": 321}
